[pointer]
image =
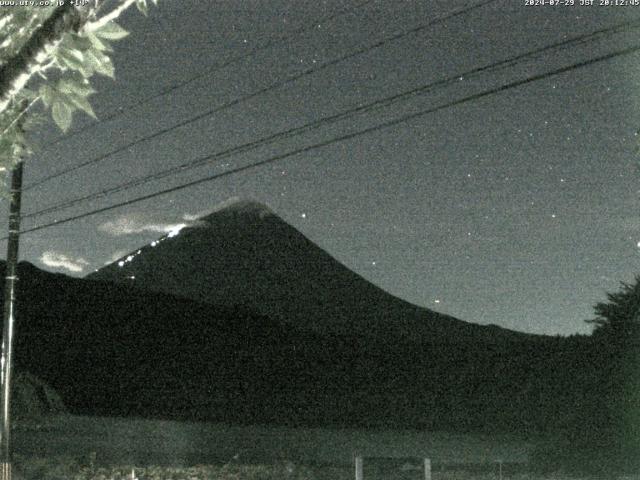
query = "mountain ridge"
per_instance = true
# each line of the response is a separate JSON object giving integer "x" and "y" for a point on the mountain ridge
{"x": 112, "y": 349}
{"x": 246, "y": 254}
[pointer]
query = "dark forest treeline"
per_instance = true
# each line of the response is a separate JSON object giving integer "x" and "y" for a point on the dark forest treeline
{"x": 604, "y": 433}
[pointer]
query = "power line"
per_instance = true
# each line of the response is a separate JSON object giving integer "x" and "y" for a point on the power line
{"x": 380, "y": 103}
{"x": 261, "y": 91}
{"x": 233, "y": 60}
{"x": 342, "y": 138}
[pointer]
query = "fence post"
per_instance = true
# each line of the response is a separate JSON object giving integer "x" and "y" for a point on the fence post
{"x": 427, "y": 469}
{"x": 359, "y": 470}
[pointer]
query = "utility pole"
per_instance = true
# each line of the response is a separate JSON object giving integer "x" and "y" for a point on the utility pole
{"x": 11, "y": 278}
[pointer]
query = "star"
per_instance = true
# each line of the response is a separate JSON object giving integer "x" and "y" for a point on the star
{"x": 401, "y": 173}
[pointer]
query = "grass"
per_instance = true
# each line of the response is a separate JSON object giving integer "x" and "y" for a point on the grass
{"x": 91, "y": 448}
{"x": 157, "y": 442}
{"x": 68, "y": 468}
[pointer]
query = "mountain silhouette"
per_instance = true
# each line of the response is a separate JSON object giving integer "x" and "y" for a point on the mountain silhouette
{"x": 113, "y": 349}
{"x": 245, "y": 254}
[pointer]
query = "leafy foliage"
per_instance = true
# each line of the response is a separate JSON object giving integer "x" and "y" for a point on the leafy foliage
{"x": 619, "y": 318}
{"x": 143, "y": 6}
{"x": 603, "y": 437}
{"x": 617, "y": 344}
{"x": 63, "y": 80}
{"x": 78, "y": 58}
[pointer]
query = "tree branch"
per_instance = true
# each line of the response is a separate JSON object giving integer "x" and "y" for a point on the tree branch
{"x": 20, "y": 115}
{"x": 15, "y": 74}
{"x": 112, "y": 15}
{"x": 5, "y": 19}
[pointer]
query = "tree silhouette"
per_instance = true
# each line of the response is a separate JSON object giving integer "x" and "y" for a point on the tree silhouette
{"x": 616, "y": 342}
{"x": 618, "y": 320}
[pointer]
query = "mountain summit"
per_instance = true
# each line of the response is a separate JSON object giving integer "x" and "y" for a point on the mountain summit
{"x": 244, "y": 254}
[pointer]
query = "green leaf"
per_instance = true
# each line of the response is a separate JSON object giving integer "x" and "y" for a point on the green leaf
{"x": 101, "y": 45}
{"x": 101, "y": 63}
{"x": 74, "y": 41}
{"x": 71, "y": 86}
{"x": 62, "y": 114}
{"x": 143, "y": 7}
{"x": 82, "y": 103}
{"x": 73, "y": 91}
{"x": 47, "y": 94}
{"x": 73, "y": 59}
{"x": 72, "y": 53}
{"x": 111, "y": 31}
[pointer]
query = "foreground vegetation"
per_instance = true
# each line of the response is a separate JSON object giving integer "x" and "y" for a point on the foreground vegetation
{"x": 65, "y": 468}
{"x": 575, "y": 401}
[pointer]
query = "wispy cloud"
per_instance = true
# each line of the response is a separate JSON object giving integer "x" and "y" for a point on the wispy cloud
{"x": 136, "y": 223}
{"x": 60, "y": 260}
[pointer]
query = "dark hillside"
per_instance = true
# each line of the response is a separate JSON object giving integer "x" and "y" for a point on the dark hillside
{"x": 115, "y": 350}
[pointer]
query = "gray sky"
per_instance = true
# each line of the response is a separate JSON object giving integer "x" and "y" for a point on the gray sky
{"x": 517, "y": 209}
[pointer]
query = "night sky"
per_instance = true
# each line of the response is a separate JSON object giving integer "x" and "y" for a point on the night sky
{"x": 518, "y": 208}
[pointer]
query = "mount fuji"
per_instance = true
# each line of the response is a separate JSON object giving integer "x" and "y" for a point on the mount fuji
{"x": 244, "y": 254}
